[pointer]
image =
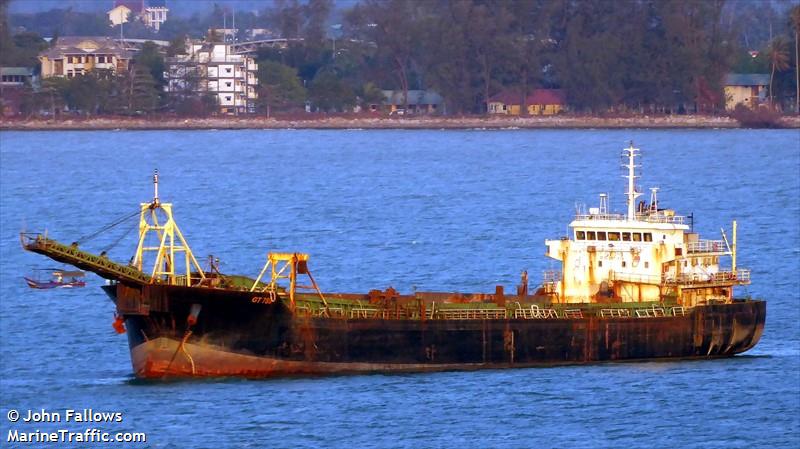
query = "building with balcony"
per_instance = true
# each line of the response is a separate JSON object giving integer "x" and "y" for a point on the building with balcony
{"x": 155, "y": 14}
{"x": 77, "y": 55}
{"x": 212, "y": 68}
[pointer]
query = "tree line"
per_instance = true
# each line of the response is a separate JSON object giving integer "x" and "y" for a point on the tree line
{"x": 635, "y": 55}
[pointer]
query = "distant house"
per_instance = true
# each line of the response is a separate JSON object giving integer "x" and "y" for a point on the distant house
{"x": 749, "y": 89}
{"x": 13, "y": 81}
{"x": 119, "y": 14}
{"x": 152, "y": 13}
{"x": 539, "y": 102}
{"x": 77, "y": 55}
{"x": 419, "y": 102}
{"x": 12, "y": 77}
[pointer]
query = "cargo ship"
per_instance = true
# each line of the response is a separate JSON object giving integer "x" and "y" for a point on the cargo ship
{"x": 639, "y": 285}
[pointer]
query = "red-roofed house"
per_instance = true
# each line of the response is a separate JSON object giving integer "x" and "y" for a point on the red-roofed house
{"x": 539, "y": 102}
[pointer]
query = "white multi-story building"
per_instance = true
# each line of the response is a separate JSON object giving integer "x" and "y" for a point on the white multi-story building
{"x": 211, "y": 68}
{"x": 155, "y": 14}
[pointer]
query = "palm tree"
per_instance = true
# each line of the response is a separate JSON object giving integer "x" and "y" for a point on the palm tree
{"x": 795, "y": 19}
{"x": 778, "y": 58}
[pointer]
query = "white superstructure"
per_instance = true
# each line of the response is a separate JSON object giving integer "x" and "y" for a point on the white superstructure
{"x": 647, "y": 254}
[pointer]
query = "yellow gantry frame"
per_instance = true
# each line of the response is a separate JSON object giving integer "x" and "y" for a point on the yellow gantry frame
{"x": 280, "y": 262}
{"x": 164, "y": 265}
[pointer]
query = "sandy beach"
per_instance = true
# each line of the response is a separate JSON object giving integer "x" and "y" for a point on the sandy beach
{"x": 372, "y": 122}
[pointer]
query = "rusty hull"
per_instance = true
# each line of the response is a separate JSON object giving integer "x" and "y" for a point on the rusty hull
{"x": 233, "y": 336}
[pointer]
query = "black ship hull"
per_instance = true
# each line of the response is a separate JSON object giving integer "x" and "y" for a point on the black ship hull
{"x": 188, "y": 331}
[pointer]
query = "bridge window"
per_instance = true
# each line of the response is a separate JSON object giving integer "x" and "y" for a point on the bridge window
{"x": 647, "y": 264}
{"x": 590, "y": 235}
{"x": 626, "y": 236}
{"x": 648, "y": 237}
{"x": 623, "y": 264}
{"x": 637, "y": 236}
{"x": 580, "y": 235}
{"x": 613, "y": 236}
{"x": 601, "y": 235}
{"x": 599, "y": 263}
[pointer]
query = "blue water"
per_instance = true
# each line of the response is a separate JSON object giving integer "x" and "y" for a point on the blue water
{"x": 431, "y": 210}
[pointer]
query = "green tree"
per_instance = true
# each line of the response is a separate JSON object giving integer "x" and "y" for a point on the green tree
{"x": 795, "y": 19}
{"x": 150, "y": 58}
{"x": 316, "y": 13}
{"x": 371, "y": 94}
{"x": 280, "y": 88}
{"x": 28, "y": 45}
{"x": 177, "y": 46}
{"x": 778, "y": 57}
{"x": 330, "y": 93}
{"x": 138, "y": 92}
{"x": 396, "y": 27}
{"x": 52, "y": 94}
{"x": 529, "y": 43}
{"x": 288, "y": 17}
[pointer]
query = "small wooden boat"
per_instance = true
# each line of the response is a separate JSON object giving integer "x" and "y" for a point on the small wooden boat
{"x": 58, "y": 279}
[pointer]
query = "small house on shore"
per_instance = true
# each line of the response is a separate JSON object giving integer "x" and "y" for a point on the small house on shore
{"x": 13, "y": 82}
{"x": 418, "y": 102}
{"x": 538, "y": 102}
{"x": 749, "y": 89}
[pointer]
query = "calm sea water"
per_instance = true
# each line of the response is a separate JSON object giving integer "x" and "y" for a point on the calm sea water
{"x": 431, "y": 210}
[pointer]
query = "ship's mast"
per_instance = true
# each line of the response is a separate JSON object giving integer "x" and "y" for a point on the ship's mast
{"x": 155, "y": 187}
{"x": 653, "y": 200}
{"x": 631, "y": 194}
{"x": 171, "y": 244}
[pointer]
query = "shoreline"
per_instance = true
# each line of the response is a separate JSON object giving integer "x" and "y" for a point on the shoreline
{"x": 361, "y": 122}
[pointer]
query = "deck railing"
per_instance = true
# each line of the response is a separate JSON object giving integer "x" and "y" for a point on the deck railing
{"x": 707, "y": 246}
{"x": 535, "y": 312}
{"x": 472, "y": 314}
{"x": 739, "y": 276}
{"x": 615, "y": 313}
{"x": 650, "y": 218}
{"x": 635, "y": 278}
